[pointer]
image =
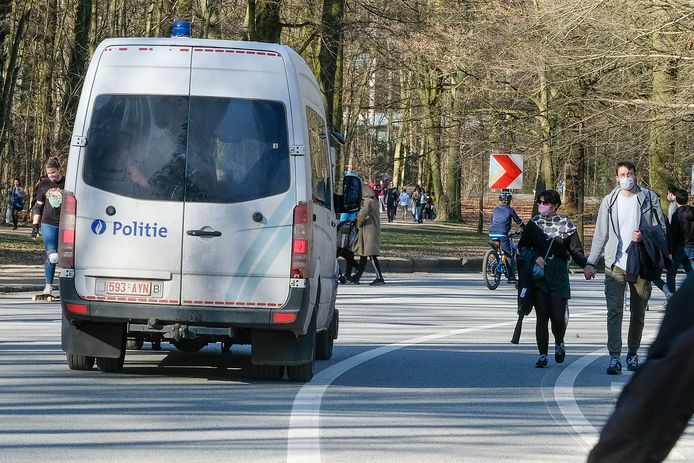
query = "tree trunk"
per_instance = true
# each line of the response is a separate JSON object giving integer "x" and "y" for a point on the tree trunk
{"x": 263, "y": 21}
{"x": 76, "y": 66}
{"x": 574, "y": 186}
{"x": 210, "y": 18}
{"x": 22, "y": 11}
{"x": 432, "y": 89}
{"x": 329, "y": 57}
{"x": 662, "y": 144}
{"x": 545, "y": 178}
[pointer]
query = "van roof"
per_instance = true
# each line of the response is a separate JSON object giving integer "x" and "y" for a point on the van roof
{"x": 283, "y": 50}
{"x": 193, "y": 42}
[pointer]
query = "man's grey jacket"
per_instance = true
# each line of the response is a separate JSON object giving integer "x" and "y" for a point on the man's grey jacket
{"x": 606, "y": 233}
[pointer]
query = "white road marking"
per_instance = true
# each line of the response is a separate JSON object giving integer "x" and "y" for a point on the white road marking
{"x": 566, "y": 401}
{"x": 303, "y": 439}
{"x": 564, "y": 396}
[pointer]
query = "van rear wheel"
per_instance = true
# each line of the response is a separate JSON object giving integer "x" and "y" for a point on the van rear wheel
{"x": 270, "y": 372}
{"x": 325, "y": 339}
{"x": 110, "y": 365}
{"x": 79, "y": 362}
{"x": 301, "y": 373}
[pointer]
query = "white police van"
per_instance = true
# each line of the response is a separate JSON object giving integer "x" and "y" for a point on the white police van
{"x": 199, "y": 206}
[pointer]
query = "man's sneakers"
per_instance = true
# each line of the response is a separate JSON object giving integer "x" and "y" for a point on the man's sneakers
{"x": 559, "y": 353}
{"x": 615, "y": 367}
{"x": 377, "y": 282}
{"x": 48, "y": 290}
{"x": 541, "y": 362}
{"x": 632, "y": 362}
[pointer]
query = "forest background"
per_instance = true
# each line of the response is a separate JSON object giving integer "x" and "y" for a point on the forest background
{"x": 423, "y": 90}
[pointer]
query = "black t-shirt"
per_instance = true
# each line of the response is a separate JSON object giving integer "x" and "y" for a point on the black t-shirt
{"x": 51, "y": 195}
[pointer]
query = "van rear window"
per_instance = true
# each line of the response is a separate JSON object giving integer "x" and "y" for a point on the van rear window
{"x": 180, "y": 148}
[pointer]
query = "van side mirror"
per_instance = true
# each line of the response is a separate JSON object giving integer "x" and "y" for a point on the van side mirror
{"x": 350, "y": 199}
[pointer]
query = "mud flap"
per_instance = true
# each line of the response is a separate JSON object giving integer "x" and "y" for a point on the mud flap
{"x": 93, "y": 339}
{"x": 283, "y": 347}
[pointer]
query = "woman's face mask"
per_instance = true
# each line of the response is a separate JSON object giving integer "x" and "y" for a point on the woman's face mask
{"x": 544, "y": 209}
{"x": 627, "y": 183}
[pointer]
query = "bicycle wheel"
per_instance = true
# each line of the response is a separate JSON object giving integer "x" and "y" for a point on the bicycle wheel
{"x": 490, "y": 266}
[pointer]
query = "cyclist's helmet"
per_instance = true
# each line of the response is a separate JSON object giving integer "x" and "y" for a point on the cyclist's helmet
{"x": 505, "y": 196}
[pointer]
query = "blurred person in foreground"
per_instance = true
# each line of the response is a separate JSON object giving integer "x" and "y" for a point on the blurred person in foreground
{"x": 654, "y": 408}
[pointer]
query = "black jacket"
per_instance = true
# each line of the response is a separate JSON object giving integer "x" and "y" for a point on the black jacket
{"x": 648, "y": 257}
{"x": 681, "y": 231}
{"x": 655, "y": 406}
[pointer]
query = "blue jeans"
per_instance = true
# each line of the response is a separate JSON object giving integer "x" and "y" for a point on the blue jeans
{"x": 50, "y": 244}
{"x": 681, "y": 256}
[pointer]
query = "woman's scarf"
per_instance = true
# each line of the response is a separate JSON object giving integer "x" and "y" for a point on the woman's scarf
{"x": 556, "y": 225}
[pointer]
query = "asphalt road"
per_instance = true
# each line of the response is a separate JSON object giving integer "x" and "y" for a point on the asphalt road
{"x": 423, "y": 371}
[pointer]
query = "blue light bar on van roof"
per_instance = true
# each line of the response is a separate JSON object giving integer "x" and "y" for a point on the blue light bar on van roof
{"x": 180, "y": 29}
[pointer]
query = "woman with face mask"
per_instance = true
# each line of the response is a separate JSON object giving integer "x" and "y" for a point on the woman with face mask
{"x": 554, "y": 240}
{"x": 46, "y": 217}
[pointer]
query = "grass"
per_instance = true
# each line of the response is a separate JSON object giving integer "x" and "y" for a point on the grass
{"x": 431, "y": 240}
{"x": 397, "y": 240}
{"x": 20, "y": 250}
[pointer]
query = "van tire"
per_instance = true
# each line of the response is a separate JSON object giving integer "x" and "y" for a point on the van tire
{"x": 325, "y": 339}
{"x": 189, "y": 346}
{"x": 79, "y": 362}
{"x": 301, "y": 373}
{"x": 110, "y": 365}
{"x": 270, "y": 372}
{"x": 134, "y": 343}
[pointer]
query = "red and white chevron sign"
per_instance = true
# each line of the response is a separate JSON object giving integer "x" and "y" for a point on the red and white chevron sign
{"x": 506, "y": 171}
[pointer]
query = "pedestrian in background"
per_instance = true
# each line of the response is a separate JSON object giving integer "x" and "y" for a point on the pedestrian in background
{"x": 672, "y": 201}
{"x": 391, "y": 200}
{"x": 368, "y": 236}
{"x": 621, "y": 215}
{"x": 681, "y": 239}
{"x": 423, "y": 199}
{"x": 46, "y": 217}
{"x": 404, "y": 202}
{"x": 554, "y": 239}
{"x": 17, "y": 197}
{"x": 378, "y": 189}
{"x": 416, "y": 206}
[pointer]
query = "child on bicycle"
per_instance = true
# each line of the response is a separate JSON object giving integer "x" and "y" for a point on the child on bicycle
{"x": 500, "y": 226}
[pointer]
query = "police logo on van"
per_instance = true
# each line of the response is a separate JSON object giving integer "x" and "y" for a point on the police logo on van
{"x": 131, "y": 229}
{"x": 99, "y": 227}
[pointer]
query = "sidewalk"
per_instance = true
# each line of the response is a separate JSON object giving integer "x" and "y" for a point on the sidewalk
{"x": 14, "y": 278}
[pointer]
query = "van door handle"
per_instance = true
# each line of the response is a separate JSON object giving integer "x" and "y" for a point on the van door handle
{"x": 204, "y": 233}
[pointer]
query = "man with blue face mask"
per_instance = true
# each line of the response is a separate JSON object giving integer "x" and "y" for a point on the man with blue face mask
{"x": 622, "y": 213}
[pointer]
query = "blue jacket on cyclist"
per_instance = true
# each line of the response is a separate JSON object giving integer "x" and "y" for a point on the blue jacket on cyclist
{"x": 500, "y": 226}
{"x": 500, "y": 223}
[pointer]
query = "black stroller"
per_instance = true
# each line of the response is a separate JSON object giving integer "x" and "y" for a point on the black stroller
{"x": 346, "y": 236}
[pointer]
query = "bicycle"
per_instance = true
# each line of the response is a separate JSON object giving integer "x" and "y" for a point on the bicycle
{"x": 496, "y": 263}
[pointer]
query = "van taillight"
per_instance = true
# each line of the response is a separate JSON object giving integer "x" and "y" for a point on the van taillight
{"x": 66, "y": 231}
{"x": 301, "y": 241}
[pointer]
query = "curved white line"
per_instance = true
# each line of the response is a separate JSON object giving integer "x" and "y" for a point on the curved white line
{"x": 566, "y": 401}
{"x": 303, "y": 439}
{"x": 564, "y": 396}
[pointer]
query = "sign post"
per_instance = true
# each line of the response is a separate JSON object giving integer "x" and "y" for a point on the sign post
{"x": 506, "y": 171}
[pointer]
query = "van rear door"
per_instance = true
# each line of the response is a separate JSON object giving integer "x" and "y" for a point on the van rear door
{"x": 130, "y": 196}
{"x": 238, "y": 212}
